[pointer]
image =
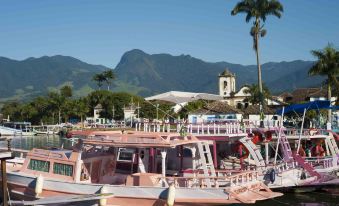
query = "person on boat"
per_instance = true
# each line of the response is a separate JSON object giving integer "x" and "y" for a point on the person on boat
{"x": 243, "y": 154}
{"x": 318, "y": 150}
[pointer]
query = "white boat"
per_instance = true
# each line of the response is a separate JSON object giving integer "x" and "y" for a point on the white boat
{"x": 25, "y": 128}
{"x": 7, "y": 131}
{"x": 46, "y": 130}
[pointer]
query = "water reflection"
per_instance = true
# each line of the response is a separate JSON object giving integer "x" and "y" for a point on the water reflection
{"x": 44, "y": 142}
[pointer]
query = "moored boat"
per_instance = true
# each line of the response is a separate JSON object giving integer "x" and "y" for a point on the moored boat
{"x": 137, "y": 168}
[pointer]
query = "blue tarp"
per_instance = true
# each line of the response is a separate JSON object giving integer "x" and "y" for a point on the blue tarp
{"x": 299, "y": 108}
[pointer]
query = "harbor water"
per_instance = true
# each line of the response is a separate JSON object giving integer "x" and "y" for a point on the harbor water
{"x": 326, "y": 197}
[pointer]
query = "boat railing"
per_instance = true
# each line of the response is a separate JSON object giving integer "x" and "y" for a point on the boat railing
{"x": 285, "y": 166}
{"x": 325, "y": 162}
{"x": 218, "y": 181}
{"x": 305, "y": 132}
{"x": 228, "y": 128}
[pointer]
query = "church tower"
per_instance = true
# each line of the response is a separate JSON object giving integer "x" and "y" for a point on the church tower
{"x": 226, "y": 83}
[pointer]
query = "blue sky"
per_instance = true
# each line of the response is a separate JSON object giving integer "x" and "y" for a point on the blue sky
{"x": 100, "y": 31}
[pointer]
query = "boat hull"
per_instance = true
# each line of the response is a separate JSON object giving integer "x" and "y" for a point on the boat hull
{"x": 23, "y": 187}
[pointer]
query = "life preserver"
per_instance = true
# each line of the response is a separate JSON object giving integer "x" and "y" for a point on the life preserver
{"x": 257, "y": 137}
{"x": 268, "y": 135}
{"x": 241, "y": 150}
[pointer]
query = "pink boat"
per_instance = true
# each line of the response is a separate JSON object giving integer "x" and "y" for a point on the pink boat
{"x": 134, "y": 168}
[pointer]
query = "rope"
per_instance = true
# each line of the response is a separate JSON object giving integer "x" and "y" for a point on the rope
{"x": 9, "y": 197}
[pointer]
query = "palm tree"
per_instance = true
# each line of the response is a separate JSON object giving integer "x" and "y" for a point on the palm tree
{"x": 253, "y": 91}
{"x": 109, "y": 76}
{"x": 327, "y": 65}
{"x": 99, "y": 79}
{"x": 259, "y": 10}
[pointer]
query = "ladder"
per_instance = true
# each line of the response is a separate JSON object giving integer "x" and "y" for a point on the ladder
{"x": 254, "y": 152}
{"x": 332, "y": 144}
{"x": 285, "y": 146}
{"x": 206, "y": 161}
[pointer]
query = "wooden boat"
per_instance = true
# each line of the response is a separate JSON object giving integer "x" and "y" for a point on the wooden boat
{"x": 137, "y": 168}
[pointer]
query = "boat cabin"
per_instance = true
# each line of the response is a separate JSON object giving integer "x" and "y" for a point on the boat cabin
{"x": 132, "y": 159}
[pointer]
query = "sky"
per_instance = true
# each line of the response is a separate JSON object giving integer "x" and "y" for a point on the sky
{"x": 101, "y": 31}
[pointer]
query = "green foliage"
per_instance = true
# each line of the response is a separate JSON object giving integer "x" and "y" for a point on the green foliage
{"x": 99, "y": 79}
{"x": 107, "y": 100}
{"x": 192, "y": 106}
{"x": 106, "y": 76}
{"x": 149, "y": 110}
{"x": 327, "y": 65}
{"x": 255, "y": 96}
{"x": 259, "y": 10}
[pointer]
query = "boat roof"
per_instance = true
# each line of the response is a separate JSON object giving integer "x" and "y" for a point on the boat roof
{"x": 181, "y": 97}
{"x": 141, "y": 140}
{"x": 299, "y": 108}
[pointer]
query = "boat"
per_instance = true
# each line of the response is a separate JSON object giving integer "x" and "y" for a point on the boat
{"x": 25, "y": 128}
{"x": 8, "y": 131}
{"x": 137, "y": 168}
{"x": 46, "y": 130}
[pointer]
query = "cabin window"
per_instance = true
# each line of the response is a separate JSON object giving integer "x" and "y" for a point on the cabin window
{"x": 38, "y": 165}
{"x": 184, "y": 152}
{"x": 125, "y": 155}
{"x": 187, "y": 152}
{"x": 63, "y": 169}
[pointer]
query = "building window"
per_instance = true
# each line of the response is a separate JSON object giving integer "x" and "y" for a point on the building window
{"x": 225, "y": 84}
{"x": 239, "y": 105}
{"x": 63, "y": 169}
{"x": 38, "y": 165}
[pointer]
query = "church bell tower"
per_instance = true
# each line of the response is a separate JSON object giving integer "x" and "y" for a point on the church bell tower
{"x": 226, "y": 83}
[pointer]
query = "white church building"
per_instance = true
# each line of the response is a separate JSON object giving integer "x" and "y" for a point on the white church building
{"x": 227, "y": 89}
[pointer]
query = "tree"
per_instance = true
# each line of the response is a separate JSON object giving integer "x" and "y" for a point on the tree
{"x": 191, "y": 107}
{"x": 255, "y": 94}
{"x": 55, "y": 102}
{"x": 109, "y": 77}
{"x": 99, "y": 79}
{"x": 327, "y": 65}
{"x": 151, "y": 110}
{"x": 58, "y": 100}
{"x": 259, "y": 10}
{"x": 66, "y": 91}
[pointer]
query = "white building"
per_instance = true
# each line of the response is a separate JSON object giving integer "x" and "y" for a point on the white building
{"x": 226, "y": 83}
{"x": 96, "y": 119}
{"x": 227, "y": 89}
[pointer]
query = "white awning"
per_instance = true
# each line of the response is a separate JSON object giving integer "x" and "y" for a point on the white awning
{"x": 180, "y": 97}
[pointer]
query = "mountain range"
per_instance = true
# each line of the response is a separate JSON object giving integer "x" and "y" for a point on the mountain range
{"x": 143, "y": 74}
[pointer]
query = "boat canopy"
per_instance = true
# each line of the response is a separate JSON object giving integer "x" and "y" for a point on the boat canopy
{"x": 181, "y": 97}
{"x": 141, "y": 140}
{"x": 299, "y": 108}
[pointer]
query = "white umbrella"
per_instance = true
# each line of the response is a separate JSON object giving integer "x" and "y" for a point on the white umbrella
{"x": 181, "y": 97}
